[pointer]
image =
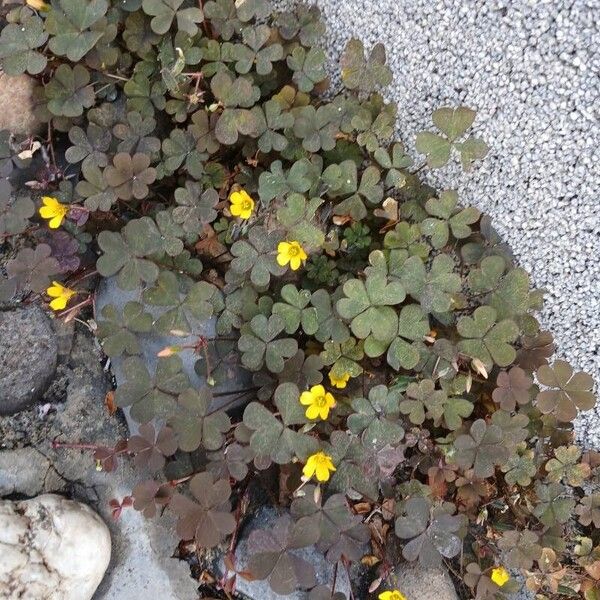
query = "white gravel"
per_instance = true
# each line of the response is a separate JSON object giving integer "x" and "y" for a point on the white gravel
{"x": 532, "y": 71}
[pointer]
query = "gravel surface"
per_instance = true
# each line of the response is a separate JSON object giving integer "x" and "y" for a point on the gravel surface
{"x": 531, "y": 70}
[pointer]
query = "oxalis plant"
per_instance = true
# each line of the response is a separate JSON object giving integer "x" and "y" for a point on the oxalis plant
{"x": 396, "y": 385}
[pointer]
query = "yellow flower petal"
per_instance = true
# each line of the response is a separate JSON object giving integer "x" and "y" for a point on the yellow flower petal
{"x": 58, "y": 303}
{"x": 500, "y": 576}
{"x": 313, "y": 411}
{"x": 306, "y": 398}
{"x": 339, "y": 381}
{"x": 318, "y": 464}
{"x": 55, "y": 222}
{"x": 392, "y": 595}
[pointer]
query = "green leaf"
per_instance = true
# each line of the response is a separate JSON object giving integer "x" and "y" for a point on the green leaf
{"x": 368, "y": 306}
{"x": 70, "y": 23}
{"x": 270, "y": 438}
{"x": 308, "y": 67}
{"x": 435, "y": 147}
{"x": 257, "y": 256}
{"x": 124, "y": 254}
{"x": 554, "y": 506}
{"x": 187, "y": 306}
{"x": 376, "y": 419}
{"x": 433, "y": 288}
{"x": 69, "y": 91}
{"x": 472, "y": 149}
{"x": 295, "y": 310}
{"x": 117, "y": 330}
{"x": 259, "y": 344}
{"x": 151, "y": 396}
{"x": 298, "y": 218}
{"x": 453, "y": 122}
{"x": 488, "y": 341}
{"x": 18, "y": 47}
{"x": 331, "y": 327}
{"x": 195, "y": 207}
{"x": 365, "y": 74}
{"x": 413, "y": 326}
{"x": 164, "y": 12}
{"x": 565, "y": 466}
{"x": 195, "y": 424}
{"x": 568, "y": 391}
{"x": 344, "y": 357}
{"x": 483, "y": 449}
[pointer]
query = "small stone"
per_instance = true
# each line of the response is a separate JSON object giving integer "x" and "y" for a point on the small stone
{"x": 22, "y": 471}
{"x": 28, "y": 355}
{"x": 51, "y": 548}
{"x": 17, "y": 104}
{"x": 416, "y": 582}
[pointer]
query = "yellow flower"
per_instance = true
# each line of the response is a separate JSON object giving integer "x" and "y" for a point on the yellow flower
{"x": 339, "y": 381}
{"x": 500, "y": 576}
{"x": 38, "y": 5}
{"x": 393, "y": 595}
{"x": 319, "y": 464}
{"x": 290, "y": 252}
{"x": 61, "y": 295}
{"x": 318, "y": 401}
{"x": 242, "y": 204}
{"x": 54, "y": 211}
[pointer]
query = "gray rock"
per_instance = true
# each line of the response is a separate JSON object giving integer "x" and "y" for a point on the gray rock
{"x": 23, "y": 471}
{"x": 415, "y": 582}
{"x": 28, "y": 354}
{"x": 151, "y": 344}
{"x": 260, "y": 590}
{"x": 51, "y": 548}
{"x": 141, "y": 562}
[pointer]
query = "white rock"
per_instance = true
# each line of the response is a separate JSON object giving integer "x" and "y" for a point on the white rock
{"x": 51, "y": 548}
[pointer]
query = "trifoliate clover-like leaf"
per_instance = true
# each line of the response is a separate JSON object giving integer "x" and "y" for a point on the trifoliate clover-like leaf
{"x": 164, "y": 12}
{"x": 376, "y": 419}
{"x": 447, "y": 218}
{"x": 271, "y": 555}
{"x": 308, "y": 67}
{"x": 433, "y": 288}
{"x": 316, "y": 128}
{"x": 513, "y": 388}
{"x": 365, "y": 74}
{"x": 588, "y": 510}
{"x": 151, "y": 396}
{"x": 368, "y": 307}
{"x": 19, "y": 45}
{"x": 208, "y": 519}
{"x": 89, "y": 146}
{"x": 151, "y": 447}
{"x": 195, "y": 424}
{"x": 72, "y": 24}
{"x": 94, "y": 188}
{"x": 554, "y": 505}
{"x": 253, "y": 9}
{"x": 331, "y": 326}
{"x": 295, "y": 310}
{"x": 521, "y": 548}
{"x": 186, "y": 305}
{"x": 259, "y": 344}
{"x": 69, "y": 91}
{"x": 32, "y": 268}
{"x": 118, "y": 330}
{"x": 482, "y": 448}
{"x": 413, "y": 326}
{"x": 433, "y": 533}
{"x": 344, "y": 357}
{"x": 195, "y": 207}
{"x": 256, "y": 256}
{"x": 129, "y": 176}
{"x": 520, "y": 468}
{"x": 298, "y": 218}
{"x": 566, "y": 466}
{"x": 485, "y": 339}
{"x": 125, "y": 254}
{"x": 568, "y": 392}
{"x": 223, "y": 18}
{"x": 255, "y": 53}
